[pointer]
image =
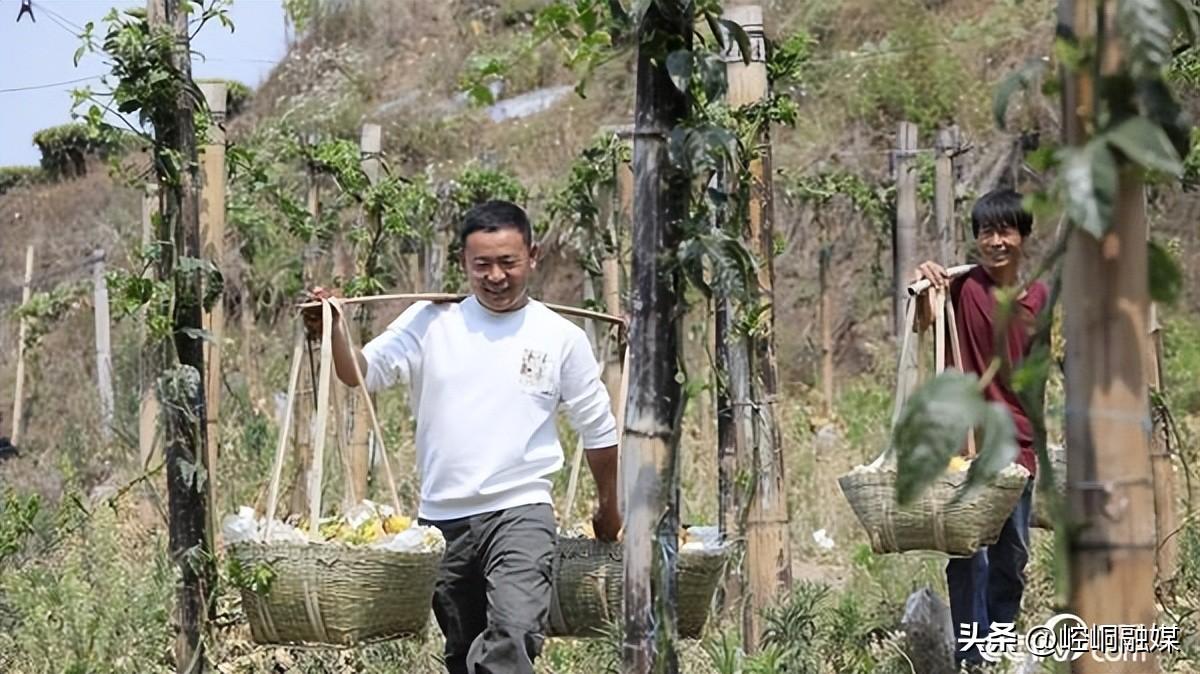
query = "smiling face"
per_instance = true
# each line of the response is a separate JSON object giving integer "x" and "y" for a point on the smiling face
{"x": 999, "y": 246}
{"x": 499, "y": 263}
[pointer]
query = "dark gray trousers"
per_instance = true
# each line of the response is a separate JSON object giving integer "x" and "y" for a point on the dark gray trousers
{"x": 492, "y": 597}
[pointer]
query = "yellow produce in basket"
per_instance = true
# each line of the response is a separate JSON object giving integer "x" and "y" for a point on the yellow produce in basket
{"x": 396, "y": 523}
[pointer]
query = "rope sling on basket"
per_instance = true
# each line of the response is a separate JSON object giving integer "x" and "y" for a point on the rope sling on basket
{"x": 328, "y": 593}
{"x": 342, "y": 596}
{"x": 588, "y": 588}
{"x": 935, "y": 520}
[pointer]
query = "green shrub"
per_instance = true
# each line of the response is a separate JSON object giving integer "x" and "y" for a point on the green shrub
{"x": 66, "y": 148}
{"x": 100, "y": 602}
{"x": 19, "y": 176}
{"x": 915, "y": 79}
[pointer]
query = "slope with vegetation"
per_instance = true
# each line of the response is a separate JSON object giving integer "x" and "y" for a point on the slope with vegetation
{"x": 81, "y": 522}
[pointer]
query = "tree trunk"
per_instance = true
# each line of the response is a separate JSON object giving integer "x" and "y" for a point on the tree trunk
{"x": 655, "y": 397}
{"x": 181, "y": 385}
{"x": 1106, "y": 310}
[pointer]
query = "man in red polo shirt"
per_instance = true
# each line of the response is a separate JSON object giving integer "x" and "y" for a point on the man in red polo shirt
{"x": 986, "y": 588}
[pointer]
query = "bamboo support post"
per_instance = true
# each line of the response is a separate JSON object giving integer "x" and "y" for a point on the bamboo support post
{"x": 104, "y": 383}
{"x": 18, "y": 414}
{"x": 768, "y": 546}
{"x": 212, "y": 228}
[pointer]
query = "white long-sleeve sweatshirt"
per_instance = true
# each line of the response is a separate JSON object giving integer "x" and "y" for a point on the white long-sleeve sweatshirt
{"x": 485, "y": 388}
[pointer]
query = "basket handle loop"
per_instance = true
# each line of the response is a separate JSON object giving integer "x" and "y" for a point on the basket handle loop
{"x": 281, "y": 448}
{"x": 317, "y": 476}
{"x": 362, "y": 386}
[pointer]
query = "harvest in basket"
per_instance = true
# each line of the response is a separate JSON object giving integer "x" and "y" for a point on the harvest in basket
{"x": 366, "y": 575}
{"x": 589, "y": 587}
{"x": 945, "y": 516}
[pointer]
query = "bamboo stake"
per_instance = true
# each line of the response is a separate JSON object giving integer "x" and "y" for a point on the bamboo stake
{"x": 190, "y": 549}
{"x": 904, "y": 254}
{"x": 1106, "y": 309}
{"x": 103, "y": 344}
{"x": 651, "y": 439}
{"x": 946, "y": 146}
{"x": 370, "y": 146}
{"x": 826, "y": 294}
{"x": 22, "y": 332}
{"x": 768, "y": 546}
{"x": 148, "y": 412}
{"x": 212, "y": 227}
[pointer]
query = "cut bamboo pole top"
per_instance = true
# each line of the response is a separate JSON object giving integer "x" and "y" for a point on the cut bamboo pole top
{"x": 953, "y": 272}
{"x": 453, "y": 297}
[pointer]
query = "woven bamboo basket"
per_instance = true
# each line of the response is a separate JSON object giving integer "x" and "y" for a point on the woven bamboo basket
{"x": 933, "y": 521}
{"x": 1042, "y": 517}
{"x": 337, "y": 595}
{"x": 939, "y": 519}
{"x": 589, "y": 590}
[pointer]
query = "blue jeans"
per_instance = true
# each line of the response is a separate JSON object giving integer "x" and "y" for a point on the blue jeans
{"x": 986, "y": 587}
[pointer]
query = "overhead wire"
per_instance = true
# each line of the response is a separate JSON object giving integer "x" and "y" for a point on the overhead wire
{"x": 56, "y": 17}
{"x": 49, "y": 85}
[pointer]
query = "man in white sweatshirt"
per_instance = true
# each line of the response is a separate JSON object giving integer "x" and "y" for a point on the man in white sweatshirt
{"x": 485, "y": 379}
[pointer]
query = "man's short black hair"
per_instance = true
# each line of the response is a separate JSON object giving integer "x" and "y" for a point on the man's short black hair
{"x": 1001, "y": 209}
{"x": 494, "y": 215}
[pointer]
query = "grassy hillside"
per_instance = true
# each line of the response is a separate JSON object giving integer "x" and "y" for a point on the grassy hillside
{"x": 85, "y": 582}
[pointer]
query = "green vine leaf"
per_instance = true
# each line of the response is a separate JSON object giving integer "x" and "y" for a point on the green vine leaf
{"x": 933, "y": 427}
{"x": 1147, "y": 28}
{"x": 1090, "y": 179}
{"x": 1146, "y": 144}
{"x": 735, "y": 32}
{"x": 997, "y": 450}
{"x": 1019, "y": 80}
{"x": 679, "y": 67}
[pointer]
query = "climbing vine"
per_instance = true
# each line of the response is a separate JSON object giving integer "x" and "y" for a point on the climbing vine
{"x": 46, "y": 309}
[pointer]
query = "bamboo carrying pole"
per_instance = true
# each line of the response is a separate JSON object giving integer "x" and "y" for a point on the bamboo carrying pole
{"x": 904, "y": 240}
{"x": 768, "y": 546}
{"x": 18, "y": 414}
{"x": 212, "y": 229}
{"x": 103, "y": 344}
{"x": 1106, "y": 310}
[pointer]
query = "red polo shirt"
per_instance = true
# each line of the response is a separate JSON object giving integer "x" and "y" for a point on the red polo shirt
{"x": 975, "y": 307}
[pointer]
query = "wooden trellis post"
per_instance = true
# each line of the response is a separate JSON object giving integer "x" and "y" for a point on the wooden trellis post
{"x": 650, "y": 466}
{"x": 19, "y": 393}
{"x": 371, "y": 144}
{"x": 212, "y": 228}
{"x": 103, "y": 344}
{"x": 944, "y": 177}
{"x": 1106, "y": 309}
{"x": 904, "y": 241}
{"x": 148, "y": 409}
{"x": 768, "y": 544}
